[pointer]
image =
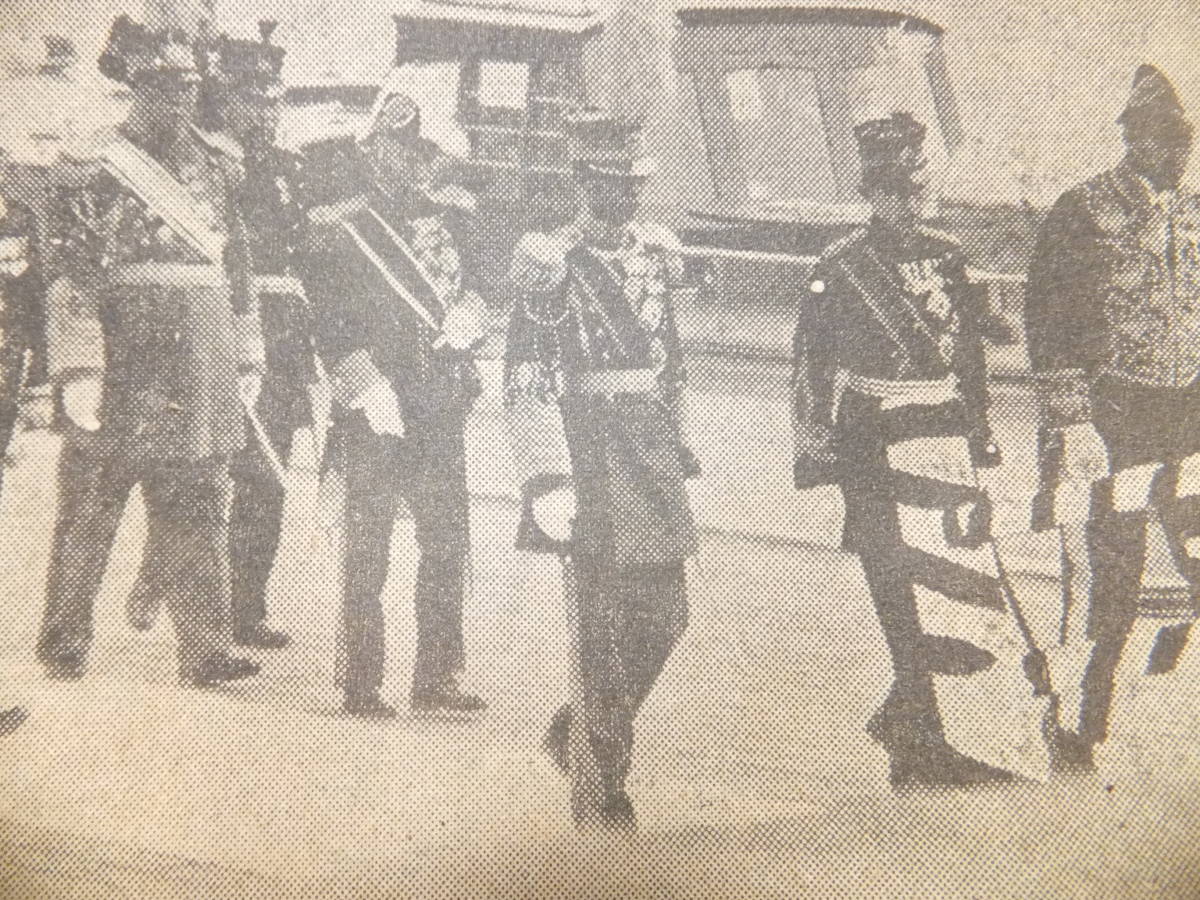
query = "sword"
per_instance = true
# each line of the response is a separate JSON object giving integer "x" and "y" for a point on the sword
{"x": 277, "y": 467}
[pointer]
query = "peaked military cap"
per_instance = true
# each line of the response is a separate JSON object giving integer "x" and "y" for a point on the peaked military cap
{"x": 603, "y": 145}
{"x": 891, "y": 152}
{"x": 1153, "y": 100}
{"x": 134, "y": 55}
{"x": 252, "y": 66}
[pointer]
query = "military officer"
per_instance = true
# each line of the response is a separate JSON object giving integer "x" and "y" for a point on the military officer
{"x": 1113, "y": 321}
{"x": 396, "y": 324}
{"x": 593, "y": 370}
{"x": 143, "y": 241}
{"x": 239, "y": 113}
{"x": 882, "y": 409}
{"x": 22, "y": 334}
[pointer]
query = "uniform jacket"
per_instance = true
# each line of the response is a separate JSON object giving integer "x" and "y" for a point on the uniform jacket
{"x": 364, "y": 328}
{"x": 884, "y": 305}
{"x": 163, "y": 301}
{"x": 1114, "y": 285}
{"x": 22, "y": 301}
{"x": 602, "y": 312}
{"x": 270, "y": 228}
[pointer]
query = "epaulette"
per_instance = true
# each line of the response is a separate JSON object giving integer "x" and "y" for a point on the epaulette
{"x": 841, "y": 245}
{"x": 944, "y": 236}
{"x": 332, "y": 213}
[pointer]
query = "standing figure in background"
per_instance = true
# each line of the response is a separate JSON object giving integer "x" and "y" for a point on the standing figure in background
{"x": 397, "y": 326}
{"x": 143, "y": 241}
{"x": 22, "y": 336}
{"x": 885, "y": 407}
{"x": 1113, "y": 322}
{"x": 272, "y": 225}
{"x": 592, "y": 382}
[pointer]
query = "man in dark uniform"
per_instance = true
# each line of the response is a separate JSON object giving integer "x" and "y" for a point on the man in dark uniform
{"x": 22, "y": 335}
{"x": 396, "y": 326}
{"x": 1113, "y": 321}
{"x": 238, "y": 116}
{"x": 143, "y": 241}
{"x": 883, "y": 408}
{"x": 593, "y": 370}
{"x": 273, "y": 226}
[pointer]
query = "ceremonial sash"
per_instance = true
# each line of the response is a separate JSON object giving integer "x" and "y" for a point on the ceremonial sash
{"x": 391, "y": 257}
{"x": 599, "y": 282}
{"x": 163, "y": 195}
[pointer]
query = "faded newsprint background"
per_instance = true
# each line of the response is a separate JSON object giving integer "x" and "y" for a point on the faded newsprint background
{"x": 752, "y": 774}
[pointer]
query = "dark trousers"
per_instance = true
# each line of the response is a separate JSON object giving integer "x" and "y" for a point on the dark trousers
{"x": 627, "y": 624}
{"x": 1140, "y": 425}
{"x": 256, "y": 515}
{"x": 185, "y": 506}
{"x": 427, "y": 468}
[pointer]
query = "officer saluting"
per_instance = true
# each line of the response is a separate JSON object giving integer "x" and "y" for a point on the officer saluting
{"x": 593, "y": 372}
{"x": 881, "y": 409}
{"x": 395, "y": 327}
{"x": 143, "y": 242}
{"x": 1113, "y": 320}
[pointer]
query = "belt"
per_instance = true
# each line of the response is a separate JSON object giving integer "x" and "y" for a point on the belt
{"x": 180, "y": 275}
{"x": 610, "y": 382}
{"x": 898, "y": 393}
{"x": 277, "y": 284}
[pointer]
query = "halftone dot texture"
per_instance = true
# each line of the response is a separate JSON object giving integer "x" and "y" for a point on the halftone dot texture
{"x": 751, "y": 771}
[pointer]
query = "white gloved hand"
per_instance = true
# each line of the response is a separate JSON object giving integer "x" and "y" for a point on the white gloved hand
{"x": 1085, "y": 455}
{"x": 462, "y": 325}
{"x": 382, "y": 409}
{"x": 81, "y": 403}
{"x": 249, "y": 388}
{"x": 554, "y": 513}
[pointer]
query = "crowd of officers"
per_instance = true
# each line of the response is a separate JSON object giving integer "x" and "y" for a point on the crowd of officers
{"x": 244, "y": 293}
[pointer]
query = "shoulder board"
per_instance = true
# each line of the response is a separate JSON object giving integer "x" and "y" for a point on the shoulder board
{"x": 332, "y": 213}
{"x": 944, "y": 236}
{"x": 654, "y": 235}
{"x": 840, "y": 246}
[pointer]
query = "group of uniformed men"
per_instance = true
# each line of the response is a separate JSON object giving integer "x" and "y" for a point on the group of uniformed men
{"x": 229, "y": 286}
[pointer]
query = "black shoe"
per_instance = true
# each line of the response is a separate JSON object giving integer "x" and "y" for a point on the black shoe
{"x": 613, "y": 813}
{"x": 11, "y": 719}
{"x": 941, "y": 766}
{"x": 218, "y": 669}
{"x": 65, "y": 666}
{"x": 445, "y": 698}
{"x": 556, "y": 742}
{"x": 260, "y": 637}
{"x": 1070, "y": 754}
{"x": 367, "y": 706}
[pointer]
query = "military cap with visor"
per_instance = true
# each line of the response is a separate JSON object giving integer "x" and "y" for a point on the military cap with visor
{"x": 892, "y": 154}
{"x": 601, "y": 145}
{"x": 134, "y": 55}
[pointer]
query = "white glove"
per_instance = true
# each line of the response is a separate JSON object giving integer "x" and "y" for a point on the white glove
{"x": 382, "y": 409}
{"x": 249, "y": 387}
{"x": 462, "y": 325}
{"x": 554, "y": 513}
{"x": 1085, "y": 455}
{"x": 81, "y": 403}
